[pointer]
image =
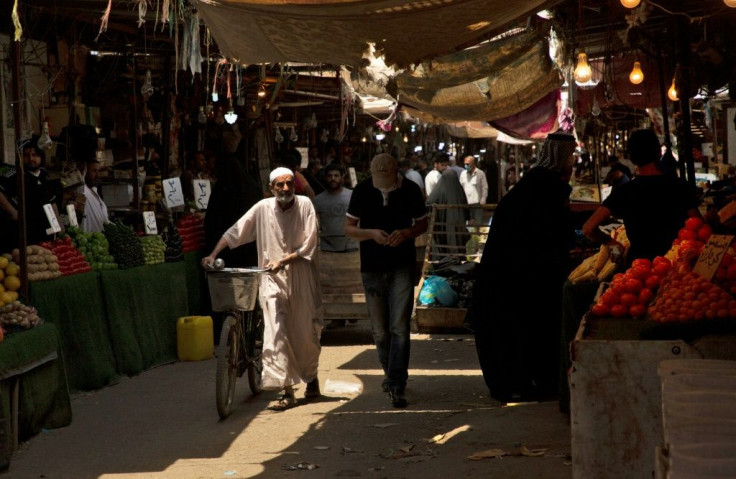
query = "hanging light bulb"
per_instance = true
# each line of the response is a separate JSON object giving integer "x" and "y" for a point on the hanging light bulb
{"x": 672, "y": 92}
{"x": 215, "y": 96}
{"x": 363, "y": 140}
{"x": 44, "y": 141}
{"x": 583, "y": 72}
{"x": 730, "y": 3}
{"x": 636, "y": 76}
{"x": 630, "y": 3}
{"x": 262, "y": 91}
{"x": 231, "y": 117}
{"x": 380, "y": 136}
{"x": 406, "y": 138}
{"x": 147, "y": 88}
{"x": 202, "y": 116}
{"x": 278, "y": 137}
{"x": 596, "y": 109}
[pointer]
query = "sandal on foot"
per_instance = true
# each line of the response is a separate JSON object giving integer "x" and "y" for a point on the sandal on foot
{"x": 312, "y": 390}
{"x": 283, "y": 403}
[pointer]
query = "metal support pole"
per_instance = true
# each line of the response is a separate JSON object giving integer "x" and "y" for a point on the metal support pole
{"x": 18, "y": 114}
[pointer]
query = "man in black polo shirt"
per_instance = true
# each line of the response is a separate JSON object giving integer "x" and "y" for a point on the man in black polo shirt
{"x": 386, "y": 212}
{"x": 38, "y": 193}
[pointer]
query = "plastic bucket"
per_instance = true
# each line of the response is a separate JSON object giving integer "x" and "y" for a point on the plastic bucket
{"x": 194, "y": 338}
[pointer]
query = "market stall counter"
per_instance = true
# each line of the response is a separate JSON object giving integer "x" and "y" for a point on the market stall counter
{"x": 33, "y": 386}
{"x": 143, "y": 305}
{"x": 75, "y": 304}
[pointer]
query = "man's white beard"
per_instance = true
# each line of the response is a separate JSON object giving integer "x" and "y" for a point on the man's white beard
{"x": 286, "y": 198}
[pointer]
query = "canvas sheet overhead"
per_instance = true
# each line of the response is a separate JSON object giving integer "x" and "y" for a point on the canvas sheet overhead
{"x": 492, "y": 81}
{"x": 338, "y": 31}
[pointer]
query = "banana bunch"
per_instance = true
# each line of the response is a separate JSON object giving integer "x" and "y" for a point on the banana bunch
{"x": 600, "y": 266}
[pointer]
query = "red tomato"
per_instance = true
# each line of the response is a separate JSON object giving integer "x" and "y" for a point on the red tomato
{"x": 627, "y": 299}
{"x": 661, "y": 260}
{"x": 645, "y": 295}
{"x": 693, "y": 224}
{"x": 639, "y": 272}
{"x": 609, "y": 298}
{"x": 661, "y": 269}
{"x": 727, "y": 260}
{"x": 619, "y": 310}
{"x": 653, "y": 281}
{"x": 704, "y": 233}
{"x": 641, "y": 262}
{"x": 731, "y": 272}
{"x": 634, "y": 285}
{"x": 687, "y": 235}
{"x": 637, "y": 310}
{"x": 601, "y": 310}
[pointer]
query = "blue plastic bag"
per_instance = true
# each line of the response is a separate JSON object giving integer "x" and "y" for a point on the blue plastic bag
{"x": 437, "y": 289}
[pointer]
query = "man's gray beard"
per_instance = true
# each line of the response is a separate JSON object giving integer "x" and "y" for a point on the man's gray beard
{"x": 285, "y": 199}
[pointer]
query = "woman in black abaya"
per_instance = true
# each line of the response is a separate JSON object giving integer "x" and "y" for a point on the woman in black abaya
{"x": 515, "y": 312}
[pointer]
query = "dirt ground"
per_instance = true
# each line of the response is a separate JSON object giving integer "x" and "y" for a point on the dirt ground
{"x": 164, "y": 424}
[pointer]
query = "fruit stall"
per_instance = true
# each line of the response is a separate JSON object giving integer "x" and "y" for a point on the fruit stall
{"x": 681, "y": 305}
{"x": 103, "y": 305}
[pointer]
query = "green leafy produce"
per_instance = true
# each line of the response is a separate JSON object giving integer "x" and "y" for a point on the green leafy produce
{"x": 94, "y": 247}
{"x": 174, "y": 244}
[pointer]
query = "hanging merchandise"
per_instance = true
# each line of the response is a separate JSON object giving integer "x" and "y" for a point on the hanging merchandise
{"x": 103, "y": 20}
{"x": 278, "y": 137}
{"x": 325, "y": 136}
{"x": 44, "y": 141}
{"x": 191, "y": 55}
{"x": 147, "y": 88}
{"x": 293, "y": 137}
{"x": 16, "y": 22}
{"x": 202, "y": 116}
{"x": 142, "y": 9}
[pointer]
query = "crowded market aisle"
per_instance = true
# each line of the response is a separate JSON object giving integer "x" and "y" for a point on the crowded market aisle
{"x": 163, "y": 424}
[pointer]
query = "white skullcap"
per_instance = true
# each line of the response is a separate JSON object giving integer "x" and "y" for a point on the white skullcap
{"x": 280, "y": 171}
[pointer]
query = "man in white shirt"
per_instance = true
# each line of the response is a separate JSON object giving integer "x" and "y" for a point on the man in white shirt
{"x": 411, "y": 174}
{"x": 475, "y": 185}
{"x": 440, "y": 165}
{"x": 95, "y": 209}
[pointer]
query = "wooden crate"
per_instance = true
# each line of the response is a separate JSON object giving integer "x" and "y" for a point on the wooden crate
{"x": 441, "y": 320}
{"x": 342, "y": 285}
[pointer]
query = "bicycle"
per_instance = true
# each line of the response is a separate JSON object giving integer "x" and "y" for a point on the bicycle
{"x": 234, "y": 291}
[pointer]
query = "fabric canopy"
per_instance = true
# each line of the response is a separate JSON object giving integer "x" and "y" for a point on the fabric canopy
{"x": 492, "y": 81}
{"x": 471, "y": 129}
{"x": 338, "y": 31}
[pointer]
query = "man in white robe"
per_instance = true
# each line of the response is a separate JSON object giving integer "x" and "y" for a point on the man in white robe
{"x": 95, "y": 209}
{"x": 285, "y": 230}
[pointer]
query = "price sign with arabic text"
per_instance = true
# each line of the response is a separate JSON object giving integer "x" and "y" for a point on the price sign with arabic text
{"x": 72, "y": 214}
{"x": 173, "y": 194}
{"x": 202, "y": 191}
{"x": 712, "y": 254}
{"x": 53, "y": 220}
{"x": 149, "y": 223}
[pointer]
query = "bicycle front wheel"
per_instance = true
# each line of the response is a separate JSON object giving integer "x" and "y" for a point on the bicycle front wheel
{"x": 227, "y": 365}
{"x": 255, "y": 349}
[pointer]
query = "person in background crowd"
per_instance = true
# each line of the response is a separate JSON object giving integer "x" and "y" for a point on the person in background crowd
{"x": 312, "y": 174}
{"x": 518, "y": 339}
{"x": 331, "y": 206}
{"x": 292, "y": 160}
{"x": 285, "y": 230}
{"x": 421, "y": 167}
{"x": 475, "y": 185}
{"x": 653, "y": 206}
{"x": 455, "y": 167}
{"x": 452, "y": 237}
{"x": 385, "y": 214}
{"x": 196, "y": 170}
{"x": 95, "y": 209}
{"x": 618, "y": 174}
{"x": 411, "y": 174}
{"x": 433, "y": 177}
{"x": 211, "y": 169}
{"x": 37, "y": 193}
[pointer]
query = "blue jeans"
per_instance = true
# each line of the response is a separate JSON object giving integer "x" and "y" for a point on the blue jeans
{"x": 389, "y": 297}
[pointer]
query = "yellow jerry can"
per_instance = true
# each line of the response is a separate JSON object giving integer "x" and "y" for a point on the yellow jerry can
{"x": 194, "y": 338}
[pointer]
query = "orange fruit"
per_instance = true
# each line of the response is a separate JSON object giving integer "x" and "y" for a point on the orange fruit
{"x": 12, "y": 283}
{"x": 12, "y": 269}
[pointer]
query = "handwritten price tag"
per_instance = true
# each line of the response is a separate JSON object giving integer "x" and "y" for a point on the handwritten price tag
{"x": 173, "y": 193}
{"x": 149, "y": 223}
{"x": 72, "y": 215}
{"x": 202, "y": 191}
{"x": 712, "y": 254}
{"x": 53, "y": 220}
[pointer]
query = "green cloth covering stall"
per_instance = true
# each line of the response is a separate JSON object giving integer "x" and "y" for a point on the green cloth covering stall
{"x": 199, "y": 296}
{"x": 34, "y": 358}
{"x": 576, "y": 300}
{"x": 143, "y": 305}
{"x": 75, "y": 305}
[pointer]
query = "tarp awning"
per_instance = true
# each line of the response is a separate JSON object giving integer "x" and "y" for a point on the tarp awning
{"x": 338, "y": 31}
